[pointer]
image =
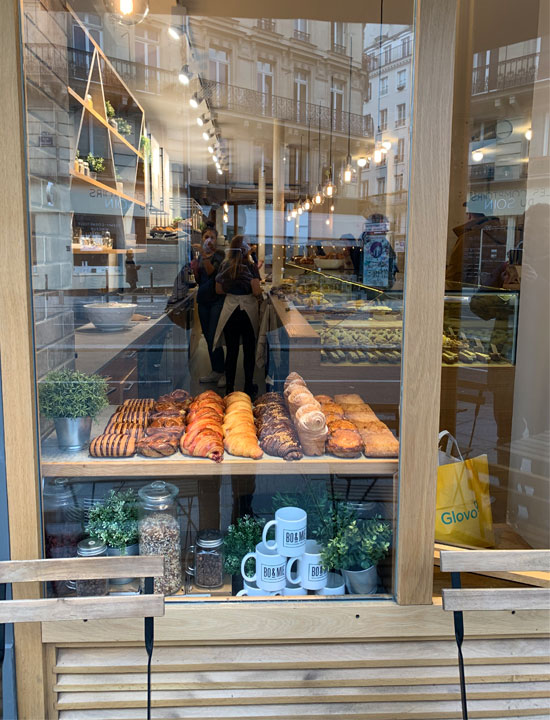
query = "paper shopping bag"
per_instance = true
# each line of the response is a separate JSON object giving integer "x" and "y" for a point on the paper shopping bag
{"x": 463, "y": 504}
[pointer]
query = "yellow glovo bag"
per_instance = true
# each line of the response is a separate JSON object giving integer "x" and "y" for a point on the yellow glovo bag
{"x": 463, "y": 505}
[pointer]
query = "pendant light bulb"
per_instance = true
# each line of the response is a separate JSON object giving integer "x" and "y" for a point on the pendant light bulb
{"x": 327, "y": 222}
{"x": 332, "y": 208}
{"x": 348, "y": 174}
{"x": 210, "y": 149}
{"x": 362, "y": 161}
{"x": 307, "y": 205}
{"x": 288, "y": 217}
{"x": 477, "y": 155}
{"x": 226, "y": 207}
{"x": 300, "y": 210}
{"x": 293, "y": 213}
{"x": 528, "y": 134}
{"x": 225, "y": 217}
{"x": 318, "y": 199}
{"x": 386, "y": 145}
{"x": 329, "y": 189}
{"x": 126, "y": 7}
{"x": 377, "y": 156}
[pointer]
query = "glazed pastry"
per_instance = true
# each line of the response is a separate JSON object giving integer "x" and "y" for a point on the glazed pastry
{"x": 121, "y": 428}
{"x": 157, "y": 445}
{"x": 345, "y": 443}
{"x": 137, "y": 417}
{"x": 237, "y": 397}
{"x": 380, "y": 443}
{"x": 137, "y": 404}
{"x": 340, "y": 424}
{"x": 323, "y": 399}
{"x": 333, "y": 409}
{"x": 167, "y": 421}
{"x": 175, "y": 432}
{"x": 276, "y": 433}
{"x": 243, "y": 444}
{"x": 310, "y": 418}
{"x": 110, "y": 445}
{"x": 362, "y": 419}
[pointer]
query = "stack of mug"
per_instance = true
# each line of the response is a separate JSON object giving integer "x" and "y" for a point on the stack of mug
{"x": 290, "y": 564}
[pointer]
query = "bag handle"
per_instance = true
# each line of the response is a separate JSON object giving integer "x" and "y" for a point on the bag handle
{"x": 451, "y": 442}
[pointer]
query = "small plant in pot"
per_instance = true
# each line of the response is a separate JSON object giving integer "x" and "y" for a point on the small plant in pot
{"x": 72, "y": 399}
{"x": 110, "y": 112}
{"x": 115, "y": 522}
{"x": 241, "y": 538}
{"x": 96, "y": 164}
{"x": 355, "y": 548}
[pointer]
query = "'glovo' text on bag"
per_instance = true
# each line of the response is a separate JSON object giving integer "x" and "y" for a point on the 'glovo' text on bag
{"x": 448, "y": 518}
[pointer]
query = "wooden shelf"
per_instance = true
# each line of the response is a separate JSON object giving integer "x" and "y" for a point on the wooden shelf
{"x": 77, "y": 250}
{"x": 105, "y": 188}
{"x": 104, "y": 122}
{"x": 79, "y": 464}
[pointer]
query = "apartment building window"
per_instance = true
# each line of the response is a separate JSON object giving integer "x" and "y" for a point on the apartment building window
{"x": 364, "y": 188}
{"x": 387, "y": 54}
{"x": 400, "y": 154}
{"x": 265, "y": 85}
{"x": 218, "y": 65}
{"x": 148, "y": 56}
{"x": 401, "y": 115}
{"x": 383, "y": 120}
{"x": 338, "y": 38}
{"x": 369, "y": 124}
{"x": 381, "y": 185}
{"x": 301, "y": 95}
{"x": 368, "y": 97}
{"x": 301, "y": 30}
{"x": 401, "y": 79}
{"x": 81, "y": 52}
{"x": 398, "y": 185}
{"x": 405, "y": 46}
{"x": 384, "y": 85}
{"x": 337, "y": 104}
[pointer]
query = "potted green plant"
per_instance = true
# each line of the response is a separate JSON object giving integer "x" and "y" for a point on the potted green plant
{"x": 72, "y": 399}
{"x": 124, "y": 126}
{"x": 355, "y": 547}
{"x": 240, "y": 539}
{"x": 145, "y": 147}
{"x": 115, "y": 522}
{"x": 97, "y": 164}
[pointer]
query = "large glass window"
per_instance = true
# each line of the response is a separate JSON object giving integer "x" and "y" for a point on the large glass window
{"x": 495, "y": 373}
{"x": 217, "y": 296}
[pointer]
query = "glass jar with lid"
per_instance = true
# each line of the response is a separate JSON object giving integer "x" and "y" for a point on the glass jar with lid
{"x": 208, "y": 564}
{"x": 92, "y": 548}
{"x": 63, "y": 525}
{"x": 159, "y": 532}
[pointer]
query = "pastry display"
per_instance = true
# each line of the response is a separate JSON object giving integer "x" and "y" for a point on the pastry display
{"x": 161, "y": 420}
{"x": 110, "y": 445}
{"x": 343, "y": 439}
{"x": 122, "y": 428}
{"x": 157, "y": 445}
{"x": 307, "y": 415}
{"x": 239, "y": 427}
{"x": 276, "y": 433}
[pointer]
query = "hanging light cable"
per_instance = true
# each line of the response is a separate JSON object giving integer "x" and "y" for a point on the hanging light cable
{"x": 307, "y": 201}
{"x": 318, "y": 197}
{"x": 329, "y": 189}
{"x": 348, "y": 169}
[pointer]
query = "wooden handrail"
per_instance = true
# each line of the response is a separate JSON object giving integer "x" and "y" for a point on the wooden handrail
{"x": 482, "y": 560}
{"x": 81, "y": 608}
{"x": 93, "y": 568}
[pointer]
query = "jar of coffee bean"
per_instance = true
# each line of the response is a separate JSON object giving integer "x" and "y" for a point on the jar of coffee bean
{"x": 91, "y": 548}
{"x": 208, "y": 567}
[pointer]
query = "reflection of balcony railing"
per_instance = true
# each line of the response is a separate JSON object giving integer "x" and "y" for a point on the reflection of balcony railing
{"x": 338, "y": 48}
{"x": 483, "y": 171}
{"x": 265, "y": 24}
{"x": 400, "y": 122}
{"x": 301, "y": 35}
{"x": 252, "y": 102}
{"x": 506, "y": 74}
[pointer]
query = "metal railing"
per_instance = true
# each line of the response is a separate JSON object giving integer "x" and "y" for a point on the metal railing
{"x": 338, "y": 48}
{"x": 400, "y": 122}
{"x": 301, "y": 35}
{"x": 371, "y": 61}
{"x": 252, "y": 102}
{"x": 266, "y": 24}
{"x": 507, "y": 74}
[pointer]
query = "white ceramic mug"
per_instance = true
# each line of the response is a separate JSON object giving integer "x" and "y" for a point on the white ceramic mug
{"x": 311, "y": 574}
{"x": 293, "y": 590}
{"x": 270, "y": 568}
{"x": 335, "y": 585}
{"x": 252, "y": 590}
{"x": 290, "y": 531}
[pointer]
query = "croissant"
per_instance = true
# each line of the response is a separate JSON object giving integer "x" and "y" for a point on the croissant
{"x": 209, "y": 395}
{"x": 244, "y": 445}
{"x": 203, "y": 413}
{"x": 235, "y": 397}
{"x": 206, "y": 444}
{"x": 158, "y": 445}
{"x": 206, "y": 426}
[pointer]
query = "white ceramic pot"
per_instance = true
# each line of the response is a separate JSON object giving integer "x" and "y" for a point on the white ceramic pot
{"x": 361, "y": 582}
{"x": 128, "y": 550}
{"x": 110, "y": 316}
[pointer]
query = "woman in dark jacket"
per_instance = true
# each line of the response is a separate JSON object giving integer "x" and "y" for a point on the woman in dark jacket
{"x": 209, "y": 303}
{"x": 239, "y": 282}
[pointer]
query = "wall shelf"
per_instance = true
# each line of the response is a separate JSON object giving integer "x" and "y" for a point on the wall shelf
{"x": 90, "y": 181}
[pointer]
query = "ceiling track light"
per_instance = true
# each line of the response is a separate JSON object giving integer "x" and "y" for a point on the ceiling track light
{"x": 203, "y": 120}
{"x": 195, "y": 100}
{"x": 185, "y": 75}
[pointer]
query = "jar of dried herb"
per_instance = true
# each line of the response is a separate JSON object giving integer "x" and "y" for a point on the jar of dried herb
{"x": 91, "y": 548}
{"x": 159, "y": 532}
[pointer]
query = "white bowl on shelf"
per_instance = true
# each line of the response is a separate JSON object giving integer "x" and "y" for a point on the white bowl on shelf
{"x": 328, "y": 264}
{"x": 110, "y": 316}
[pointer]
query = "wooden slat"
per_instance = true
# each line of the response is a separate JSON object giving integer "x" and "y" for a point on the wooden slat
{"x": 479, "y": 560}
{"x": 81, "y": 608}
{"x": 497, "y": 599}
{"x": 81, "y": 568}
{"x": 423, "y": 301}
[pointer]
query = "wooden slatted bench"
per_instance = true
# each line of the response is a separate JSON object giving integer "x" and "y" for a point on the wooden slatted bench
{"x": 457, "y": 599}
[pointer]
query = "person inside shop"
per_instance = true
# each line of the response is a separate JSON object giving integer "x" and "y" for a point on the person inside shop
{"x": 238, "y": 281}
{"x": 355, "y": 253}
{"x": 131, "y": 270}
{"x": 209, "y": 303}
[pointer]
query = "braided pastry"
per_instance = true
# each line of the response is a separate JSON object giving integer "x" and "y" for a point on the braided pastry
{"x": 110, "y": 445}
{"x": 276, "y": 432}
{"x": 157, "y": 445}
{"x": 167, "y": 421}
{"x": 121, "y": 428}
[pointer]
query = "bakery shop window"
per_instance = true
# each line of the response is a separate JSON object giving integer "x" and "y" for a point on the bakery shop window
{"x": 495, "y": 450}
{"x": 217, "y": 302}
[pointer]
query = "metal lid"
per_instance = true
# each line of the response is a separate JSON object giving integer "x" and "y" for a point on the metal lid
{"x": 58, "y": 489}
{"x": 90, "y": 546}
{"x": 158, "y": 495}
{"x": 209, "y": 538}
